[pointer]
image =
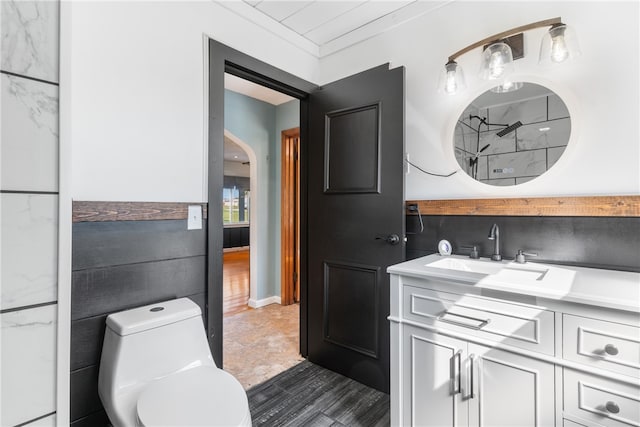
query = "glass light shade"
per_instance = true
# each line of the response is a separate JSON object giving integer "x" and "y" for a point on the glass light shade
{"x": 497, "y": 62}
{"x": 507, "y": 86}
{"x": 451, "y": 79}
{"x": 559, "y": 44}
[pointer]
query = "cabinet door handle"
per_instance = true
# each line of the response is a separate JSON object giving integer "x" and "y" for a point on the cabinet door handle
{"x": 612, "y": 407}
{"x": 472, "y": 358}
{"x": 611, "y": 349}
{"x": 457, "y": 361}
{"x": 481, "y": 322}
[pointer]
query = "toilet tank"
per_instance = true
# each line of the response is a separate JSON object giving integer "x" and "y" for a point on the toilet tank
{"x": 151, "y": 342}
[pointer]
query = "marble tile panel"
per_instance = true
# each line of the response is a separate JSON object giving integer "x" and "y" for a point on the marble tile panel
{"x": 29, "y": 249}
{"x": 553, "y": 133}
{"x": 529, "y": 111}
{"x": 28, "y": 365}
{"x": 511, "y": 165}
{"x": 30, "y": 38}
{"x": 472, "y": 110}
{"x": 503, "y": 182}
{"x": 553, "y": 154}
{"x": 557, "y": 108}
{"x": 464, "y": 137}
{"x": 497, "y": 145}
{"x": 524, "y": 179}
{"x": 29, "y": 152}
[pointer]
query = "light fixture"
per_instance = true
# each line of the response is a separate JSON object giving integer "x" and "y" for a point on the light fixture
{"x": 558, "y": 45}
{"x": 451, "y": 78}
{"x": 497, "y": 62}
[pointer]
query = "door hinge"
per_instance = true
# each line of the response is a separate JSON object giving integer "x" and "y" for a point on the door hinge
{"x": 295, "y": 276}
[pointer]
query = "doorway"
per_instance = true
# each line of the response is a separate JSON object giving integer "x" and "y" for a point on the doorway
{"x": 260, "y": 335}
{"x": 343, "y": 188}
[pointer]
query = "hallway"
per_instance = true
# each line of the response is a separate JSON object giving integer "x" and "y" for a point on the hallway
{"x": 258, "y": 343}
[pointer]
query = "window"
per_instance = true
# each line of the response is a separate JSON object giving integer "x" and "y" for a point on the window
{"x": 235, "y": 205}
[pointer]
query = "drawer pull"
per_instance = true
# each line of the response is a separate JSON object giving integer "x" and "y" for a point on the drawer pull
{"x": 611, "y": 349}
{"x": 481, "y": 322}
{"x": 472, "y": 358}
{"x": 612, "y": 407}
{"x": 456, "y": 372}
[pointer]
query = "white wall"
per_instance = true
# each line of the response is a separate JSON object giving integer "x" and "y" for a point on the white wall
{"x": 137, "y": 101}
{"x": 601, "y": 90}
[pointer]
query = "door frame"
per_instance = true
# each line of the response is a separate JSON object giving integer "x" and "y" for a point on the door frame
{"x": 290, "y": 217}
{"x": 223, "y": 59}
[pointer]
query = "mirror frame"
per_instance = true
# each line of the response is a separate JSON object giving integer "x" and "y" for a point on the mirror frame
{"x": 554, "y": 172}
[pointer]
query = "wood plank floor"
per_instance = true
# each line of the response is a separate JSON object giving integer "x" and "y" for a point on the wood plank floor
{"x": 310, "y": 395}
{"x": 235, "y": 278}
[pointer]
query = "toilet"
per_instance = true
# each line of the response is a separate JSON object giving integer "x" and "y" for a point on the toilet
{"x": 156, "y": 369}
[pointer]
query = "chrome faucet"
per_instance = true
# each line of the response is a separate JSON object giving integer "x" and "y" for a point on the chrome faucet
{"x": 494, "y": 234}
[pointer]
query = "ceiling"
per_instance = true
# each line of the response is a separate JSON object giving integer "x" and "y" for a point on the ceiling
{"x": 245, "y": 87}
{"x": 233, "y": 152}
{"x": 322, "y": 27}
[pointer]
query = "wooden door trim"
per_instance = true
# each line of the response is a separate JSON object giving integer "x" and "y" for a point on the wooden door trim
{"x": 289, "y": 215}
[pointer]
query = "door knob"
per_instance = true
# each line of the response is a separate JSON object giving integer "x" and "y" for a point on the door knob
{"x": 391, "y": 239}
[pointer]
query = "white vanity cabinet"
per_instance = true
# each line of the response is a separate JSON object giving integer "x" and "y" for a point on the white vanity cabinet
{"x": 466, "y": 356}
{"x": 451, "y": 382}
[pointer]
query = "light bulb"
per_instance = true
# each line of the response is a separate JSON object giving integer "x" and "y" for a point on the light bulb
{"x": 496, "y": 65}
{"x": 451, "y": 79}
{"x": 559, "y": 44}
{"x": 559, "y": 51}
{"x": 497, "y": 61}
{"x": 451, "y": 86}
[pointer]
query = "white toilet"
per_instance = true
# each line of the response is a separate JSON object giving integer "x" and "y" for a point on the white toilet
{"x": 157, "y": 370}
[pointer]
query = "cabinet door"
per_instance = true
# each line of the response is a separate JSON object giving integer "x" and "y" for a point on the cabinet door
{"x": 433, "y": 384}
{"x": 509, "y": 389}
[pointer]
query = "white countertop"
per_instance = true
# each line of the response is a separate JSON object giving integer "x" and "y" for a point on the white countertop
{"x": 618, "y": 290}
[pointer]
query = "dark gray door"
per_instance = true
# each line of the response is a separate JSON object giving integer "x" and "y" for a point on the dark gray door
{"x": 355, "y": 220}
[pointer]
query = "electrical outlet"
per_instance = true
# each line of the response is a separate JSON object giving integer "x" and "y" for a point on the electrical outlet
{"x": 194, "y": 222}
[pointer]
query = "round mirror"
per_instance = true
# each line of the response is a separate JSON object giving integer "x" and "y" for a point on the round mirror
{"x": 513, "y": 137}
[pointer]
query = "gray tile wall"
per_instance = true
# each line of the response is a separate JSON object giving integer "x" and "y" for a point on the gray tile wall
{"x": 29, "y": 210}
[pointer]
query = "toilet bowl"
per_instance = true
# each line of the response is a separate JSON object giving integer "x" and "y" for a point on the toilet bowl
{"x": 156, "y": 369}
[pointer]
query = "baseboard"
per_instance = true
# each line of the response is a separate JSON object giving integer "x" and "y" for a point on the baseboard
{"x": 236, "y": 249}
{"x": 265, "y": 301}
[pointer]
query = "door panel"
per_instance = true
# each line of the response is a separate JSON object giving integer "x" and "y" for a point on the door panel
{"x": 433, "y": 379}
{"x": 510, "y": 389}
{"x": 355, "y": 200}
{"x": 352, "y": 326}
{"x": 351, "y": 150}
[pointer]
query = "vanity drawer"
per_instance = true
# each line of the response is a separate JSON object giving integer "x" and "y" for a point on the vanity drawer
{"x": 519, "y": 325}
{"x": 601, "y": 401}
{"x": 601, "y": 344}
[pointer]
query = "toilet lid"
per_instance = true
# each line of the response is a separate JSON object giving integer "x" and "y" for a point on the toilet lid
{"x": 196, "y": 397}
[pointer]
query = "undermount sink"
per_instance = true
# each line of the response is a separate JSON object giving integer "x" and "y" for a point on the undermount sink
{"x": 470, "y": 265}
{"x": 504, "y": 274}
{"x": 500, "y": 271}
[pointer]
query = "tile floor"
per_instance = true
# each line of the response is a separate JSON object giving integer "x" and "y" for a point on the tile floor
{"x": 261, "y": 343}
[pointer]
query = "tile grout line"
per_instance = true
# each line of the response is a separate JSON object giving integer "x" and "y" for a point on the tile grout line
{"x": 28, "y": 307}
{"x": 53, "y": 193}
{"x": 35, "y": 419}
{"x": 35, "y": 79}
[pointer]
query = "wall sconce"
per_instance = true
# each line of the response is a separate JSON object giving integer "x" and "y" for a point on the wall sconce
{"x": 558, "y": 45}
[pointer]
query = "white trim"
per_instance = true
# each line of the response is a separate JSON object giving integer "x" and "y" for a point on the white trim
{"x": 263, "y": 302}
{"x": 237, "y": 249}
{"x": 253, "y": 213}
{"x": 63, "y": 353}
{"x": 205, "y": 118}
